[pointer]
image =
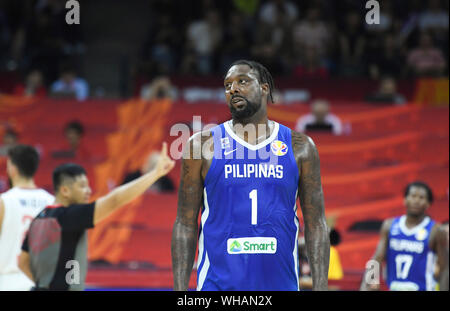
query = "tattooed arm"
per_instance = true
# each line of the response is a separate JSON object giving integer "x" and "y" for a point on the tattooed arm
{"x": 312, "y": 205}
{"x": 185, "y": 230}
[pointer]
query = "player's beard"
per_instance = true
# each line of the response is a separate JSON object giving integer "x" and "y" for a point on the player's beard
{"x": 250, "y": 109}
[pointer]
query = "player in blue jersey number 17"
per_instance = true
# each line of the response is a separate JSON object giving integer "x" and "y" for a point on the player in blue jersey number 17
{"x": 412, "y": 246}
{"x": 246, "y": 182}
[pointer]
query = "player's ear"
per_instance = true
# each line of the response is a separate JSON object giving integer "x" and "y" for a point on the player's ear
{"x": 65, "y": 191}
{"x": 265, "y": 88}
{"x": 11, "y": 169}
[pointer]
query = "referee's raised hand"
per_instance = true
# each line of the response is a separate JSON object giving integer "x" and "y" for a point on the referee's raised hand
{"x": 165, "y": 164}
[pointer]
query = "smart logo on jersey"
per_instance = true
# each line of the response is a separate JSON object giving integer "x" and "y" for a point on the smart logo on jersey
{"x": 235, "y": 247}
{"x": 279, "y": 148}
{"x": 254, "y": 245}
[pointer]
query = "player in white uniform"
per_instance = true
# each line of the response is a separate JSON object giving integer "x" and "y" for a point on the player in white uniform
{"x": 18, "y": 207}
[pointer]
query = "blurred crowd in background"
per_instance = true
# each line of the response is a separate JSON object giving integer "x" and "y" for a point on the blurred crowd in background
{"x": 303, "y": 39}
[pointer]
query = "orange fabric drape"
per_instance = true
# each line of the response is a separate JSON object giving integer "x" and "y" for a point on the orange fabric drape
{"x": 141, "y": 130}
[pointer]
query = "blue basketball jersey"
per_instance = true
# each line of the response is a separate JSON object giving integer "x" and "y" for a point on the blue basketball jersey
{"x": 249, "y": 224}
{"x": 410, "y": 262}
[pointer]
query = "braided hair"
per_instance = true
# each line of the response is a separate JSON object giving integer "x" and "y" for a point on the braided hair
{"x": 264, "y": 75}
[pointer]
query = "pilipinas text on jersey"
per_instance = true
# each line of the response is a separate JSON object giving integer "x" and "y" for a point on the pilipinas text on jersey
{"x": 410, "y": 262}
{"x": 249, "y": 225}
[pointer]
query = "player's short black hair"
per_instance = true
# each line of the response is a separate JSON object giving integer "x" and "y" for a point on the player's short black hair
{"x": 76, "y": 126}
{"x": 423, "y": 185}
{"x": 264, "y": 75}
{"x": 64, "y": 172}
{"x": 25, "y": 158}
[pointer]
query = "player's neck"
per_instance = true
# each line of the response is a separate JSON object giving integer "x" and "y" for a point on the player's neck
{"x": 253, "y": 130}
{"x": 59, "y": 200}
{"x": 414, "y": 220}
{"x": 21, "y": 182}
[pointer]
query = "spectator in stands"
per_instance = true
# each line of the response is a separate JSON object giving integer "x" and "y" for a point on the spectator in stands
{"x": 312, "y": 33}
{"x": 70, "y": 85}
{"x": 5, "y": 34}
{"x": 162, "y": 185}
{"x": 74, "y": 146}
{"x": 310, "y": 66}
{"x": 386, "y": 19}
{"x": 159, "y": 88}
{"x": 426, "y": 60}
{"x": 204, "y": 37}
{"x": 387, "y": 93}
{"x": 434, "y": 19}
{"x": 320, "y": 120}
{"x": 388, "y": 60}
{"x": 236, "y": 36}
{"x": 270, "y": 11}
{"x": 49, "y": 39}
{"x": 267, "y": 45}
{"x": 247, "y": 7}
{"x": 351, "y": 46}
{"x": 10, "y": 139}
{"x": 33, "y": 87}
{"x": 163, "y": 42}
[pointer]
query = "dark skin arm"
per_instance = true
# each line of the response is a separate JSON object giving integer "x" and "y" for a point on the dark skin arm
{"x": 380, "y": 254}
{"x": 185, "y": 230}
{"x": 312, "y": 205}
{"x": 438, "y": 243}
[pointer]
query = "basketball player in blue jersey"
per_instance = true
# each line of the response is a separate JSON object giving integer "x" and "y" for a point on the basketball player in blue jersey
{"x": 246, "y": 175}
{"x": 412, "y": 245}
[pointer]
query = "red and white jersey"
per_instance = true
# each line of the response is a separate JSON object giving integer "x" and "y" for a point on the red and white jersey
{"x": 21, "y": 206}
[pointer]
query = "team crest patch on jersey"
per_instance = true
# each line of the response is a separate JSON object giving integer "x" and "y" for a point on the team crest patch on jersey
{"x": 279, "y": 148}
{"x": 225, "y": 142}
{"x": 422, "y": 234}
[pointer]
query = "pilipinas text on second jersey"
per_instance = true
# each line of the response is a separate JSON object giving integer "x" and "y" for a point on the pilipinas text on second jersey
{"x": 249, "y": 224}
{"x": 410, "y": 261}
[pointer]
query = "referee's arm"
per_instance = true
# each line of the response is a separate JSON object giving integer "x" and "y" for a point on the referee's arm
{"x": 124, "y": 194}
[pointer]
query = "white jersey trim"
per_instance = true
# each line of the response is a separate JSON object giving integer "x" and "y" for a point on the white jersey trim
{"x": 264, "y": 143}
{"x": 201, "y": 245}
{"x": 406, "y": 231}
{"x": 295, "y": 252}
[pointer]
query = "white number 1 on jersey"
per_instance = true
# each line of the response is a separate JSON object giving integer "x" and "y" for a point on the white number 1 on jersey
{"x": 254, "y": 197}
